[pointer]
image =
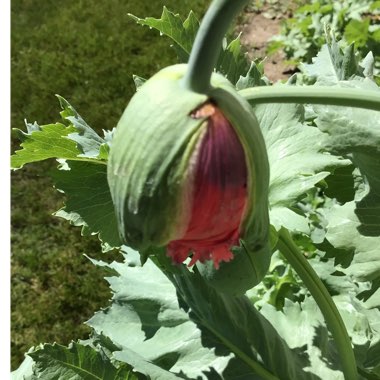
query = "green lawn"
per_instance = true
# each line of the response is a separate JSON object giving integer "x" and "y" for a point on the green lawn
{"x": 86, "y": 51}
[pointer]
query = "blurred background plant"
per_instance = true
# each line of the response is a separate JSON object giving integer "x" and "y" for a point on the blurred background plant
{"x": 354, "y": 21}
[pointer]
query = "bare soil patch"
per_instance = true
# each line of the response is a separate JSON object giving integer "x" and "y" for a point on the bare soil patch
{"x": 257, "y": 29}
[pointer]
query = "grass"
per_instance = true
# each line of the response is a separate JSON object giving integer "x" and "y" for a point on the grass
{"x": 86, "y": 51}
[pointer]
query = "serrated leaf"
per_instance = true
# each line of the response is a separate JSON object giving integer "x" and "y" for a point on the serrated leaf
{"x": 302, "y": 324}
{"x": 48, "y": 141}
{"x": 353, "y": 132}
{"x": 284, "y": 216}
{"x": 171, "y": 25}
{"x": 233, "y": 323}
{"x": 147, "y": 323}
{"x": 363, "y": 327}
{"x": 299, "y": 325}
{"x": 332, "y": 65}
{"x": 254, "y": 77}
{"x": 76, "y": 141}
{"x": 136, "y": 361}
{"x": 298, "y": 160}
{"x": 343, "y": 233}
{"x": 151, "y": 370}
{"x": 89, "y": 142}
{"x": 76, "y": 362}
{"x": 232, "y": 62}
{"x": 356, "y": 133}
{"x": 88, "y": 200}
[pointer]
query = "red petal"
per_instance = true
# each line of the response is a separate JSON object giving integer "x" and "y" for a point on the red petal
{"x": 220, "y": 194}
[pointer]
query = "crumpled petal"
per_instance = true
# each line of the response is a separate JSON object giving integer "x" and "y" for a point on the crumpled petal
{"x": 219, "y": 193}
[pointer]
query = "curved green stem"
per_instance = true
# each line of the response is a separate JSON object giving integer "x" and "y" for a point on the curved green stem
{"x": 208, "y": 42}
{"x": 337, "y": 96}
{"x": 327, "y": 306}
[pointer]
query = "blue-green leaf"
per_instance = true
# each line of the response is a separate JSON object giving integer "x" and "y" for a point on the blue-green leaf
{"x": 88, "y": 200}
{"x": 171, "y": 25}
{"x": 298, "y": 161}
{"x": 232, "y": 62}
{"x": 76, "y": 362}
{"x": 189, "y": 328}
{"x": 75, "y": 141}
{"x": 48, "y": 141}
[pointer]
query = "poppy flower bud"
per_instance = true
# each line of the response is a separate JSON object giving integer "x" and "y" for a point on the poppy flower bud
{"x": 190, "y": 172}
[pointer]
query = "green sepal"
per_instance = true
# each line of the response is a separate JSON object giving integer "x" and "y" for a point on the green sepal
{"x": 255, "y": 227}
{"x": 252, "y": 259}
{"x": 149, "y": 156}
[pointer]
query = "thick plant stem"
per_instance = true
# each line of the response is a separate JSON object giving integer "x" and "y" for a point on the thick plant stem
{"x": 337, "y": 96}
{"x": 208, "y": 43}
{"x": 327, "y": 306}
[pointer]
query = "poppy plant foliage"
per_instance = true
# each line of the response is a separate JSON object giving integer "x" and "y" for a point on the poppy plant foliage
{"x": 247, "y": 222}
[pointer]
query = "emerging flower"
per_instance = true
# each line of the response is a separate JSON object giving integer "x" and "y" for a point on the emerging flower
{"x": 217, "y": 178}
{"x": 189, "y": 172}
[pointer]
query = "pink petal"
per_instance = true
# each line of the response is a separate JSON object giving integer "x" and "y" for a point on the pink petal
{"x": 220, "y": 194}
